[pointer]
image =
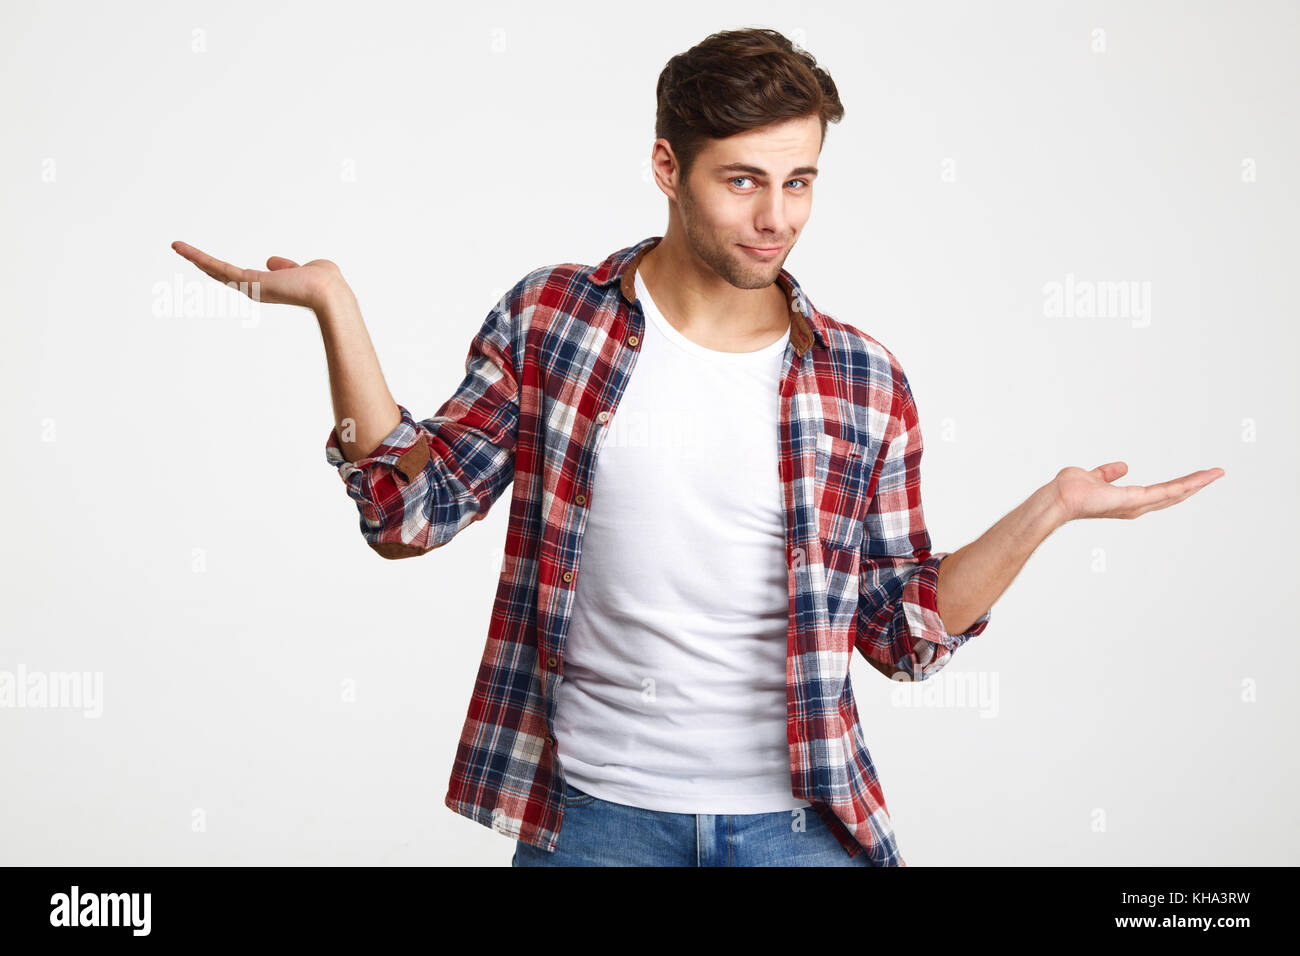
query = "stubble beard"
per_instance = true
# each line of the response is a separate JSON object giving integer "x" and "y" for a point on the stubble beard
{"x": 724, "y": 258}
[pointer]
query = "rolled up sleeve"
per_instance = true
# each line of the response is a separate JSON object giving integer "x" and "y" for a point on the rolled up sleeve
{"x": 898, "y": 628}
{"x": 429, "y": 479}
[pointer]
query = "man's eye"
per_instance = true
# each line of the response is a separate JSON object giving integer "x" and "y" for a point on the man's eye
{"x": 737, "y": 179}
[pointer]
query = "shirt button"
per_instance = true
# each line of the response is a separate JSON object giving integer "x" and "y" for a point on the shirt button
{"x": 568, "y": 575}
{"x": 550, "y": 739}
{"x": 551, "y": 662}
{"x": 602, "y": 417}
{"x": 632, "y": 340}
{"x": 581, "y": 499}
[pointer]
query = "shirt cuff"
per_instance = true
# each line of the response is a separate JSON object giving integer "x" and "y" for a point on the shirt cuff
{"x": 921, "y": 607}
{"x": 404, "y": 449}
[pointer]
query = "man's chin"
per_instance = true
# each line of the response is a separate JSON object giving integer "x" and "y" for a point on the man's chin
{"x": 755, "y": 278}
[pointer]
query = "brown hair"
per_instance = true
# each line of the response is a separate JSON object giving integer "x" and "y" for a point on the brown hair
{"x": 735, "y": 81}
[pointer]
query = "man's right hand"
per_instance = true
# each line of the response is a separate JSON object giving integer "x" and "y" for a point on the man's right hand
{"x": 364, "y": 409}
{"x": 284, "y": 283}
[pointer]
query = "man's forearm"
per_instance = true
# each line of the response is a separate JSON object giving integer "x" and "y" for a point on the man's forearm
{"x": 973, "y": 577}
{"x": 357, "y": 386}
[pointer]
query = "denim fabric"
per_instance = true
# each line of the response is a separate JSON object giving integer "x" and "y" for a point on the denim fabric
{"x": 598, "y": 832}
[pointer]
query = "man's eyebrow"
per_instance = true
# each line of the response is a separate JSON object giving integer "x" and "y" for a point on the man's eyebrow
{"x": 755, "y": 171}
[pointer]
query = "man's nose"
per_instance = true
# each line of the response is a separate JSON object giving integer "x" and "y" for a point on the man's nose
{"x": 770, "y": 216}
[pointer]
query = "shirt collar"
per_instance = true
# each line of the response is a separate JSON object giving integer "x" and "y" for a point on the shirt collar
{"x": 805, "y": 321}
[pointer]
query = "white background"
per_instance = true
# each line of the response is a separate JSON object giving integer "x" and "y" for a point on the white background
{"x": 173, "y": 524}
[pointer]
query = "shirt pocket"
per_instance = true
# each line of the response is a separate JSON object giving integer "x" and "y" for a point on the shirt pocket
{"x": 843, "y": 471}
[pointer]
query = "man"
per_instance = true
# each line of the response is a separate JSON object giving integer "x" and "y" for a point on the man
{"x": 716, "y": 500}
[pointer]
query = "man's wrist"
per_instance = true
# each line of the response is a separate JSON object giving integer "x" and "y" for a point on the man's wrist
{"x": 335, "y": 301}
{"x": 1050, "y": 510}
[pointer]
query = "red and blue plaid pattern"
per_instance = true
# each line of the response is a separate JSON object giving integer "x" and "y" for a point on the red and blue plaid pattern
{"x": 543, "y": 376}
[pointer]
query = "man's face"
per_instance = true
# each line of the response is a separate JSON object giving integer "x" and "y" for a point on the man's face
{"x": 751, "y": 192}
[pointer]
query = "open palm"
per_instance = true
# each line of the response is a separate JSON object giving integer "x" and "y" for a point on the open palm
{"x": 283, "y": 282}
{"x": 1090, "y": 494}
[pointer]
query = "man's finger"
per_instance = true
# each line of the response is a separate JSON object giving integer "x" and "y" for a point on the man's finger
{"x": 1171, "y": 501}
{"x": 1186, "y": 488}
{"x": 219, "y": 270}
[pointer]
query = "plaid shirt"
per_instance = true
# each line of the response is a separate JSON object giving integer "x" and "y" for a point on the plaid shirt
{"x": 542, "y": 378}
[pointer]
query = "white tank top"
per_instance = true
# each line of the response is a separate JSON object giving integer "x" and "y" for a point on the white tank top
{"x": 674, "y": 690}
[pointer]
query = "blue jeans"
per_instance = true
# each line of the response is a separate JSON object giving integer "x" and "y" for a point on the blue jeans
{"x": 598, "y": 832}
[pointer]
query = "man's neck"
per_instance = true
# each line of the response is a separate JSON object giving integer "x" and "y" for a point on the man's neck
{"x": 706, "y": 308}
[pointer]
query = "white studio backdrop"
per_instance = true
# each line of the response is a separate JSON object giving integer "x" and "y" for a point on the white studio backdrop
{"x": 270, "y": 691}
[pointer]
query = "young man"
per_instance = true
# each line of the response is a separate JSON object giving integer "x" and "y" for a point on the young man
{"x": 716, "y": 500}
